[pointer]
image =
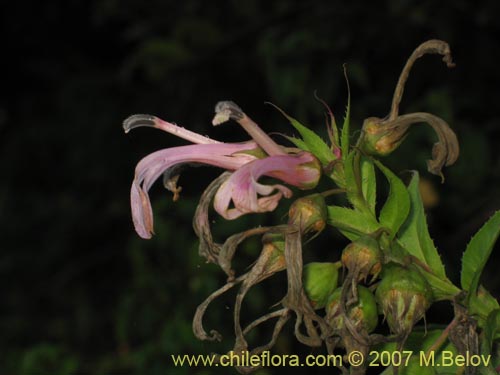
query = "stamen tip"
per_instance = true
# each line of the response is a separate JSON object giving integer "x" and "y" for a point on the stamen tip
{"x": 226, "y": 110}
{"x": 136, "y": 121}
{"x": 220, "y": 118}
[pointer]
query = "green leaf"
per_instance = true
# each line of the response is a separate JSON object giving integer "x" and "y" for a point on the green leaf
{"x": 351, "y": 223}
{"x": 483, "y": 304}
{"x": 311, "y": 140}
{"x": 363, "y": 201}
{"x": 442, "y": 288}
{"x": 344, "y": 137}
{"x": 397, "y": 206}
{"x": 298, "y": 143}
{"x": 488, "y": 336}
{"x": 477, "y": 253}
{"x": 350, "y": 180}
{"x": 414, "y": 234}
{"x": 489, "y": 331}
{"x": 369, "y": 183}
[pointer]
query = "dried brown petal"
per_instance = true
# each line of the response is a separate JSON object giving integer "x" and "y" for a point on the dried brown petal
{"x": 229, "y": 248}
{"x": 270, "y": 261}
{"x": 198, "y": 329}
{"x": 201, "y": 224}
{"x": 432, "y": 46}
{"x": 296, "y": 298}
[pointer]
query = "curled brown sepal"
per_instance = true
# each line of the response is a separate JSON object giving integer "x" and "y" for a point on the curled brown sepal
{"x": 296, "y": 298}
{"x": 198, "y": 329}
{"x": 201, "y": 223}
{"x": 283, "y": 317}
{"x": 270, "y": 261}
{"x": 228, "y": 250}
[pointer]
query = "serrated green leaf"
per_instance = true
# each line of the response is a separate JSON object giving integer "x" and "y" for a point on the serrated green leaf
{"x": 298, "y": 143}
{"x": 414, "y": 234}
{"x": 351, "y": 223}
{"x": 477, "y": 253}
{"x": 345, "y": 132}
{"x": 483, "y": 304}
{"x": 397, "y": 206}
{"x": 369, "y": 183}
{"x": 311, "y": 140}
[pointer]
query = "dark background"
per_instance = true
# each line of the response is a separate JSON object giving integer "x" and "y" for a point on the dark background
{"x": 79, "y": 291}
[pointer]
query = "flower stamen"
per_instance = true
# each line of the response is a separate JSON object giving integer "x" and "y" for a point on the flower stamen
{"x": 226, "y": 110}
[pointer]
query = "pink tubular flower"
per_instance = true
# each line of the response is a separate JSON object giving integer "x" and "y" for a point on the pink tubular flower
{"x": 301, "y": 170}
{"x": 242, "y": 189}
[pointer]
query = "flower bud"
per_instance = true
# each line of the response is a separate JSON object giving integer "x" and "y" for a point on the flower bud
{"x": 379, "y": 139}
{"x": 309, "y": 213}
{"x": 320, "y": 280}
{"x": 363, "y": 257}
{"x": 363, "y": 313}
{"x": 404, "y": 296}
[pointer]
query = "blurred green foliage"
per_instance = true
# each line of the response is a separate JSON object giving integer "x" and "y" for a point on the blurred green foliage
{"x": 80, "y": 292}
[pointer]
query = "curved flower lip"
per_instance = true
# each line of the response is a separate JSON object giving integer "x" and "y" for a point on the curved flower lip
{"x": 243, "y": 189}
{"x": 150, "y": 168}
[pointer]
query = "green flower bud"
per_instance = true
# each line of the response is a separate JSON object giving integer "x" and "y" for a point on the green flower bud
{"x": 309, "y": 213}
{"x": 404, "y": 296}
{"x": 363, "y": 257}
{"x": 320, "y": 280}
{"x": 380, "y": 139}
{"x": 363, "y": 313}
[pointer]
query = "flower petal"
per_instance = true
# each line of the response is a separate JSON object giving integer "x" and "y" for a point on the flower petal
{"x": 150, "y": 168}
{"x": 301, "y": 170}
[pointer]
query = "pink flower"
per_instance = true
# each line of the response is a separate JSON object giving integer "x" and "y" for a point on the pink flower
{"x": 249, "y": 161}
{"x": 243, "y": 188}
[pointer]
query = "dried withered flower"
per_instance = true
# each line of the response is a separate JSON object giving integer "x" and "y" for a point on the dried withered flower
{"x": 381, "y": 136}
